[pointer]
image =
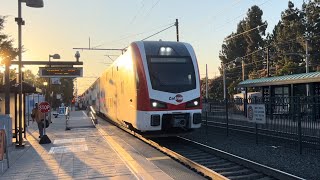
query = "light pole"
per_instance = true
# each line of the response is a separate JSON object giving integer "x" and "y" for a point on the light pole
{"x": 54, "y": 56}
{"x": 238, "y": 60}
{"x": 45, "y": 86}
{"x": 20, "y": 22}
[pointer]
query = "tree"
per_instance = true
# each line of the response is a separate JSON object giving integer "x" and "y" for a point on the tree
{"x": 215, "y": 88}
{"x": 30, "y": 78}
{"x": 287, "y": 41}
{"x": 255, "y": 28}
{"x": 67, "y": 89}
{"x": 243, "y": 43}
{"x": 7, "y": 51}
{"x": 311, "y": 11}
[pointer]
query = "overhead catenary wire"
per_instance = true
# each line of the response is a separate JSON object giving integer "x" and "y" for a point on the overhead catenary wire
{"x": 153, "y": 6}
{"x": 155, "y": 34}
{"x": 237, "y": 17}
{"x": 158, "y": 32}
{"x": 239, "y": 34}
{"x": 133, "y": 35}
{"x": 140, "y": 9}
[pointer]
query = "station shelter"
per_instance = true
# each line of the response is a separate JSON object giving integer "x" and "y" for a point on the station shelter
{"x": 14, "y": 107}
{"x": 281, "y": 93}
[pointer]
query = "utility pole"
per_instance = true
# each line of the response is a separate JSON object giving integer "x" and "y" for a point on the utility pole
{"x": 20, "y": 23}
{"x": 243, "y": 71}
{"x": 237, "y": 60}
{"x": 224, "y": 81}
{"x": 177, "y": 29}
{"x": 268, "y": 68}
{"x": 307, "y": 67}
{"x": 206, "y": 82}
{"x": 225, "y": 97}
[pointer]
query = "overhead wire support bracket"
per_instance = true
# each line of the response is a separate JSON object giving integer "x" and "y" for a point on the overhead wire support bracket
{"x": 102, "y": 49}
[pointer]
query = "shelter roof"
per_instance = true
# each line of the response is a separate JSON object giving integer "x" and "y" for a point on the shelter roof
{"x": 282, "y": 80}
{"x": 14, "y": 87}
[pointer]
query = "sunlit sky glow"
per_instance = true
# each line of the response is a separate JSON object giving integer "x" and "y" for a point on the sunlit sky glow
{"x": 64, "y": 24}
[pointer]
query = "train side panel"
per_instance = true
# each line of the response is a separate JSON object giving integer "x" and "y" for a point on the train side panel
{"x": 118, "y": 99}
{"x": 126, "y": 89}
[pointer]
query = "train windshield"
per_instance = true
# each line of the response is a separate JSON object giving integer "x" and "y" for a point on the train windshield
{"x": 172, "y": 74}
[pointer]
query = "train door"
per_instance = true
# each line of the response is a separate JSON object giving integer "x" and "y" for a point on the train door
{"x": 133, "y": 80}
{"x": 118, "y": 77}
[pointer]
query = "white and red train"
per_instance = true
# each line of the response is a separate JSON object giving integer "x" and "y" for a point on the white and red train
{"x": 153, "y": 86}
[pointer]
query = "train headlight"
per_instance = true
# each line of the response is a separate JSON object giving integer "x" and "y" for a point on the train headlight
{"x": 162, "y": 49}
{"x": 154, "y": 104}
{"x": 193, "y": 103}
{"x": 166, "y": 51}
{"x": 158, "y": 104}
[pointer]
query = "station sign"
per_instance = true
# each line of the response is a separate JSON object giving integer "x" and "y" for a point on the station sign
{"x": 256, "y": 113}
{"x": 60, "y": 71}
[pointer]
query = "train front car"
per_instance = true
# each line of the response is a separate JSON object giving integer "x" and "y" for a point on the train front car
{"x": 168, "y": 92}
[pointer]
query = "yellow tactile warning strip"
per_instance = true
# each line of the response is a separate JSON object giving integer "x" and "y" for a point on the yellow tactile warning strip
{"x": 158, "y": 158}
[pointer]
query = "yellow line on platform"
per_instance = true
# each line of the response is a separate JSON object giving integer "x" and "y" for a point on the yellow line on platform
{"x": 158, "y": 158}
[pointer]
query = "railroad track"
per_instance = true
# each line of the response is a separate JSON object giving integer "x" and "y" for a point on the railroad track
{"x": 210, "y": 162}
{"x": 223, "y": 163}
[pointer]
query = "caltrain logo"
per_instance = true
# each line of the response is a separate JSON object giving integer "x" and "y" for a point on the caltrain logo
{"x": 178, "y": 98}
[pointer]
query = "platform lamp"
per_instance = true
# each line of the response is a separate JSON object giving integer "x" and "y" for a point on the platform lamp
{"x": 54, "y": 56}
{"x": 20, "y": 22}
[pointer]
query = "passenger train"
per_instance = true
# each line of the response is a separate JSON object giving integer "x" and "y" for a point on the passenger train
{"x": 153, "y": 86}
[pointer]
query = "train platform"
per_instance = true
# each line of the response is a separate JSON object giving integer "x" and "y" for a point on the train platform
{"x": 89, "y": 152}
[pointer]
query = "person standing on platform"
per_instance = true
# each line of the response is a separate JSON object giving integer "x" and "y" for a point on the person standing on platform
{"x": 39, "y": 118}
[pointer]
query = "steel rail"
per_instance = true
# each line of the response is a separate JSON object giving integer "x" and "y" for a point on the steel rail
{"x": 202, "y": 169}
{"x": 245, "y": 162}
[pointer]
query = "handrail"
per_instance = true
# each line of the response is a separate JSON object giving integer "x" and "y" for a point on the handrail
{"x": 67, "y": 114}
{"x": 92, "y": 113}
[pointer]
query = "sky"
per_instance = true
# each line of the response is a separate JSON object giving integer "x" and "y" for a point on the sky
{"x": 62, "y": 25}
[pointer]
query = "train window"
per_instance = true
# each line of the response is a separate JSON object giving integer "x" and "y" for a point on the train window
{"x": 172, "y": 74}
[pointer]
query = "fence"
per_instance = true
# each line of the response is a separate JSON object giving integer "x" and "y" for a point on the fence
{"x": 290, "y": 120}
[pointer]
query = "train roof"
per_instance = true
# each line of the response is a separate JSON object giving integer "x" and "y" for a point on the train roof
{"x": 152, "y": 47}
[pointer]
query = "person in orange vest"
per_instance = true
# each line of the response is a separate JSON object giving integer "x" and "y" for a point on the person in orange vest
{"x": 39, "y": 117}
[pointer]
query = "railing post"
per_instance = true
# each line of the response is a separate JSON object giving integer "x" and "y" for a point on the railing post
{"x": 270, "y": 103}
{"x": 299, "y": 126}
{"x": 207, "y": 120}
{"x": 256, "y": 132}
{"x": 227, "y": 116}
{"x": 67, "y": 114}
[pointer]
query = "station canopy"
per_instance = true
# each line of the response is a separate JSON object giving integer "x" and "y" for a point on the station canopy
{"x": 14, "y": 87}
{"x": 282, "y": 80}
